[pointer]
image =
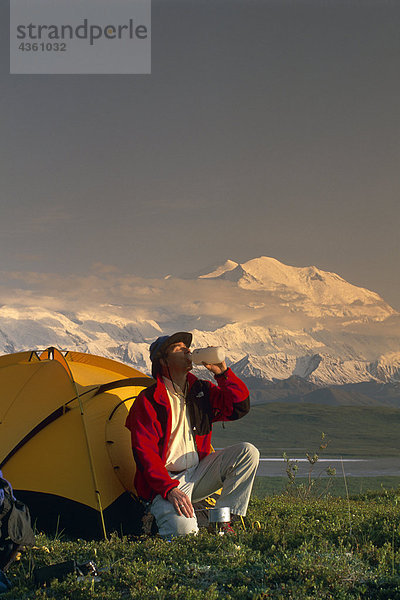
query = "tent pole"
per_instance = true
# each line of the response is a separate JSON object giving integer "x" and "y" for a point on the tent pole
{"x": 96, "y": 487}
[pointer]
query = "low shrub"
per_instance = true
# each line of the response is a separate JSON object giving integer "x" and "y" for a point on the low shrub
{"x": 314, "y": 548}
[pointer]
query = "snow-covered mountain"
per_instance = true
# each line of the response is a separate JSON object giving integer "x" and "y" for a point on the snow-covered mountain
{"x": 35, "y": 328}
{"x": 281, "y": 321}
{"x": 316, "y": 292}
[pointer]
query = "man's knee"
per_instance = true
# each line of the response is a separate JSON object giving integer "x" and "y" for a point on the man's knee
{"x": 168, "y": 521}
{"x": 178, "y": 525}
{"x": 242, "y": 453}
{"x": 250, "y": 451}
{"x": 186, "y": 526}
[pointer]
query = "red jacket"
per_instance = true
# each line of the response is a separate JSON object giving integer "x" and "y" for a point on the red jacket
{"x": 149, "y": 422}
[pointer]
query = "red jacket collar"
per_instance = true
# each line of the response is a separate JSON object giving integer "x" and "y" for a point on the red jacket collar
{"x": 161, "y": 392}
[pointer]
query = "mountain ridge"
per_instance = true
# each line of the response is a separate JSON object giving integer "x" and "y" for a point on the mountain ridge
{"x": 311, "y": 284}
{"x": 275, "y": 321}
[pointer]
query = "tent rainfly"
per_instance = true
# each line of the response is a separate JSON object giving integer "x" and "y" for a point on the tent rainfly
{"x": 63, "y": 443}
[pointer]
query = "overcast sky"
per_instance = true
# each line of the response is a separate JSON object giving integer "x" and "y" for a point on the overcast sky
{"x": 266, "y": 128}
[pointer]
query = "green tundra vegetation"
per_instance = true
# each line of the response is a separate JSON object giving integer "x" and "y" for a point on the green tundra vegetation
{"x": 296, "y": 546}
{"x": 354, "y": 431}
{"x": 323, "y": 536}
{"x": 267, "y": 486}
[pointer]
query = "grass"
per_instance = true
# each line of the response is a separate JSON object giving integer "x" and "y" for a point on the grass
{"x": 329, "y": 548}
{"x": 268, "y": 486}
{"x": 354, "y": 431}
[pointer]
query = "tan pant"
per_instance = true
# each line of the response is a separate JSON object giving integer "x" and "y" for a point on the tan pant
{"x": 233, "y": 469}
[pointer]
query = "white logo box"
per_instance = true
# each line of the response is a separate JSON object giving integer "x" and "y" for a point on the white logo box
{"x": 80, "y": 36}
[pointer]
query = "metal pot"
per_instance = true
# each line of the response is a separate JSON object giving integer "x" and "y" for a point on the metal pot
{"x": 219, "y": 515}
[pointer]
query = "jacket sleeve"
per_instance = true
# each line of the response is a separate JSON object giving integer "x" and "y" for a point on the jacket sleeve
{"x": 230, "y": 399}
{"x": 146, "y": 435}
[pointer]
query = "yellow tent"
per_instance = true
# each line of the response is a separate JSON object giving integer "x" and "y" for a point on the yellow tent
{"x": 63, "y": 444}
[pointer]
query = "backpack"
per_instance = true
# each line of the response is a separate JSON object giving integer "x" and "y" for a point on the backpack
{"x": 15, "y": 525}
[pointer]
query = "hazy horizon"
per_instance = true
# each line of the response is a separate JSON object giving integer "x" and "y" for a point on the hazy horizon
{"x": 265, "y": 129}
